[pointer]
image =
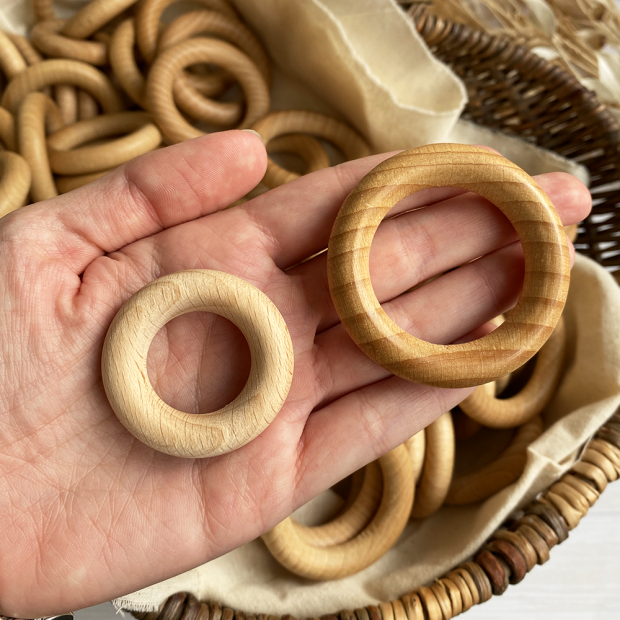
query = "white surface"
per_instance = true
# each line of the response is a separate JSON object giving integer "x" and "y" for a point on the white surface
{"x": 580, "y": 581}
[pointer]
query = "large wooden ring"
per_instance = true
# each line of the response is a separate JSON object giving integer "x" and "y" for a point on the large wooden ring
{"x": 94, "y": 16}
{"x": 150, "y": 419}
{"x": 11, "y": 60}
{"x": 545, "y": 248}
{"x": 337, "y": 561}
{"x": 15, "y": 177}
{"x": 483, "y": 407}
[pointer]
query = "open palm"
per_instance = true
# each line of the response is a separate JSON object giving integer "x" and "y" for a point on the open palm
{"x": 87, "y": 512}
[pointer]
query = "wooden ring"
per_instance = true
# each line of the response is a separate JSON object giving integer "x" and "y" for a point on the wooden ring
{"x": 523, "y": 202}
{"x": 66, "y": 99}
{"x": 493, "y": 412}
{"x": 63, "y": 71}
{"x": 306, "y": 147}
{"x": 337, "y": 561}
{"x": 15, "y": 180}
{"x": 11, "y": 60}
{"x": 417, "y": 448}
{"x": 354, "y": 518}
{"x": 7, "y": 129}
{"x": 87, "y": 106}
{"x": 65, "y": 159}
{"x": 36, "y": 114}
{"x": 495, "y": 476}
{"x": 29, "y": 54}
{"x": 123, "y": 61}
{"x": 47, "y": 38}
{"x": 436, "y": 477}
{"x": 413, "y": 606}
{"x": 301, "y": 121}
{"x": 43, "y": 10}
{"x": 93, "y": 16}
{"x": 150, "y": 419}
{"x": 147, "y": 21}
{"x": 159, "y": 86}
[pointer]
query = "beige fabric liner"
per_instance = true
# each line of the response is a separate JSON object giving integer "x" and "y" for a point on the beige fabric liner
{"x": 362, "y": 61}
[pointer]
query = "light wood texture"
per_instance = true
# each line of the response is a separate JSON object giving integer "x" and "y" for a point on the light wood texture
{"x": 124, "y": 64}
{"x": 337, "y": 561}
{"x": 65, "y": 158}
{"x": 354, "y": 518}
{"x": 547, "y": 265}
{"x": 301, "y": 121}
{"x": 436, "y": 476}
{"x": 37, "y": 115}
{"x": 65, "y": 97}
{"x": 30, "y": 55}
{"x": 43, "y": 9}
{"x": 57, "y": 71}
{"x": 15, "y": 178}
{"x": 87, "y": 106}
{"x": 165, "y": 70}
{"x": 94, "y": 16}
{"x": 11, "y": 60}
{"x": 417, "y": 448}
{"x": 493, "y": 412}
{"x": 150, "y": 419}
{"x": 7, "y": 129}
{"x": 495, "y": 476}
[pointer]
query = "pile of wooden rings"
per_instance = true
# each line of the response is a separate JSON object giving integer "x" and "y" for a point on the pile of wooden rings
{"x": 85, "y": 95}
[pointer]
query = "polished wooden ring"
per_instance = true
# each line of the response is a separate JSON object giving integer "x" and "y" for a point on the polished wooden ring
{"x": 123, "y": 61}
{"x": 37, "y": 114}
{"x": 64, "y": 158}
{"x": 417, "y": 448}
{"x": 29, "y": 54}
{"x": 11, "y": 60}
{"x": 486, "y": 409}
{"x": 165, "y": 69}
{"x": 62, "y": 71}
{"x": 337, "y": 561}
{"x": 495, "y": 476}
{"x": 15, "y": 180}
{"x": 150, "y": 419}
{"x": 432, "y": 488}
{"x": 7, "y": 129}
{"x": 93, "y": 16}
{"x": 301, "y": 121}
{"x": 523, "y": 202}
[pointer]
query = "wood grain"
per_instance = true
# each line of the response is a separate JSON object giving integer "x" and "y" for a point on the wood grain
{"x": 15, "y": 178}
{"x": 521, "y": 200}
{"x": 150, "y": 419}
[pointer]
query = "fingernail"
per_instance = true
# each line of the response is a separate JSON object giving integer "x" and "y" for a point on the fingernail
{"x": 255, "y": 133}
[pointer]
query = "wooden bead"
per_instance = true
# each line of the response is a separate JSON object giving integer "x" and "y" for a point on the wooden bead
{"x": 430, "y": 603}
{"x": 572, "y": 496}
{"x": 47, "y": 38}
{"x": 125, "y": 375}
{"x": 56, "y": 71}
{"x": 497, "y": 475}
{"x": 469, "y": 593}
{"x": 591, "y": 472}
{"x": 454, "y": 594}
{"x": 545, "y": 284}
{"x": 536, "y": 541}
{"x": 436, "y": 477}
{"x": 345, "y": 559}
{"x": 159, "y": 87}
{"x": 512, "y": 556}
{"x": 522, "y": 544}
{"x": 284, "y": 122}
{"x": 413, "y": 606}
{"x": 93, "y": 16}
{"x": 571, "y": 515}
{"x": 15, "y": 178}
{"x": 589, "y": 493}
{"x": 494, "y": 412}
{"x": 417, "y": 448}
{"x": 354, "y": 518}
{"x": 481, "y": 580}
{"x": 68, "y": 184}
{"x": 552, "y": 517}
{"x": 443, "y": 599}
{"x": 496, "y": 569}
{"x": 544, "y": 530}
{"x": 603, "y": 463}
{"x": 66, "y": 159}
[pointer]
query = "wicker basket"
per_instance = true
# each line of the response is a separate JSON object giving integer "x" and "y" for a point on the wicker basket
{"x": 516, "y": 92}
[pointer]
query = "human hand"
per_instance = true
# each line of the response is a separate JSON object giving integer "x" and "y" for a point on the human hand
{"x": 89, "y": 513}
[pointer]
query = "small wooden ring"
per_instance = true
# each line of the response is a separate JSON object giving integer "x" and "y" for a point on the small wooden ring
{"x": 550, "y": 514}
{"x": 512, "y": 556}
{"x": 494, "y": 412}
{"x": 467, "y": 601}
{"x": 15, "y": 177}
{"x": 302, "y": 121}
{"x": 602, "y": 462}
{"x": 417, "y": 448}
{"x": 497, "y": 475}
{"x": 11, "y": 60}
{"x": 590, "y": 494}
{"x": 609, "y": 451}
{"x": 571, "y": 515}
{"x": 413, "y": 606}
{"x": 64, "y": 158}
{"x": 536, "y": 541}
{"x": 523, "y": 202}
{"x": 430, "y": 602}
{"x": 469, "y": 581}
{"x": 485, "y": 588}
{"x": 387, "y": 612}
{"x": 436, "y": 477}
{"x": 592, "y": 473}
{"x": 7, "y": 129}
{"x": 123, "y": 61}
{"x": 441, "y": 594}
{"x": 454, "y": 594}
{"x": 147, "y": 21}
{"x": 338, "y": 561}
{"x": 150, "y": 419}
{"x": 57, "y": 71}
{"x": 306, "y": 147}
{"x": 93, "y": 16}
{"x": 37, "y": 114}
{"x": 522, "y": 544}
{"x": 547, "y": 533}
{"x": 159, "y": 86}
{"x": 495, "y": 569}
{"x": 571, "y": 495}
{"x": 354, "y": 518}
{"x": 399, "y": 610}
{"x": 68, "y": 184}
{"x": 47, "y": 38}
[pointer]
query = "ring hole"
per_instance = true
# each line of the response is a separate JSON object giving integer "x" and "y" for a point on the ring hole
{"x": 198, "y": 362}
{"x": 424, "y": 240}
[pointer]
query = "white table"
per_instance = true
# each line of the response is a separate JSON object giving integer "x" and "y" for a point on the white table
{"x": 580, "y": 581}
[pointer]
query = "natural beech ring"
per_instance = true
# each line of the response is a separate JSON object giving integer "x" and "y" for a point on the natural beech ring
{"x": 546, "y": 257}
{"x": 150, "y": 419}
